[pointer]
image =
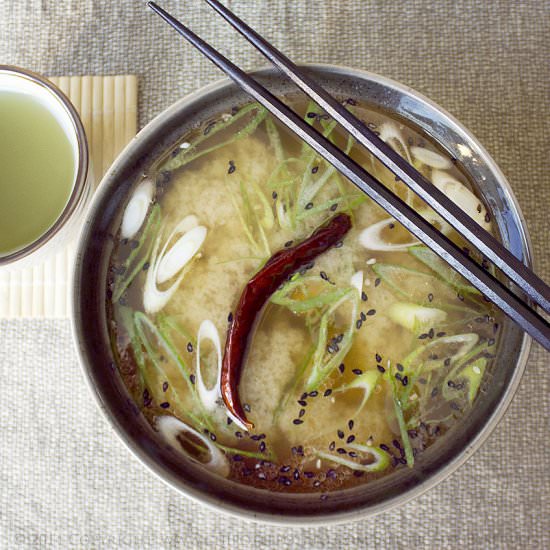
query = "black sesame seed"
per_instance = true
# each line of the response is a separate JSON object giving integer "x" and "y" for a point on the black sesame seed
{"x": 341, "y": 368}
{"x": 285, "y": 469}
{"x": 283, "y": 480}
{"x": 423, "y": 336}
{"x": 255, "y": 437}
{"x": 430, "y": 297}
{"x": 316, "y": 483}
{"x": 364, "y": 296}
{"x": 313, "y": 393}
{"x": 311, "y": 115}
{"x": 339, "y": 244}
{"x": 333, "y": 207}
{"x": 315, "y": 169}
{"x": 332, "y": 446}
{"x": 327, "y": 392}
{"x": 340, "y": 434}
{"x": 323, "y": 276}
{"x": 262, "y": 475}
{"x": 231, "y": 167}
{"x": 384, "y": 447}
{"x": 165, "y": 405}
{"x": 371, "y": 312}
{"x": 146, "y": 266}
{"x": 189, "y": 347}
{"x": 229, "y": 421}
{"x": 274, "y": 195}
{"x": 146, "y": 398}
{"x": 341, "y": 451}
{"x": 301, "y": 413}
{"x": 331, "y": 473}
{"x": 440, "y": 334}
{"x": 353, "y": 454}
{"x": 239, "y": 435}
{"x": 213, "y": 437}
{"x": 309, "y": 475}
{"x": 192, "y": 378}
{"x": 309, "y": 206}
{"x": 405, "y": 380}
{"x": 288, "y": 244}
{"x": 357, "y": 371}
{"x": 447, "y": 361}
{"x": 262, "y": 446}
{"x": 377, "y": 281}
{"x": 237, "y": 458}
{"x": 431, "y": 333}
{"x": 350, "y": 424}
{"x": 381, "y": 368}
{"x": 297, "y": 421}
{"x": 358, "y": 324}
{"x": 451, "y": 384}
{"x": 164, "y": 386}
{"x": 302, "y": 402}
{"x": 396, "y": 444}
{"x": 296, "y": 475}
{"x": 350, "y": 439}
{"x": 399, "y": 367}
{"x": 209, "y": 127}
{"x": 398, "y": 376}
{"x": 363, "y": 316}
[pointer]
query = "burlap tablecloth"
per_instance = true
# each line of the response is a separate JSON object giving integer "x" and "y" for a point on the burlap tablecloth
{"x": 65, "y": 479}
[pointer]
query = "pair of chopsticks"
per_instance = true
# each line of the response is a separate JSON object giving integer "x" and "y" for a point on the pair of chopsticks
{"x": 519, "y": 310}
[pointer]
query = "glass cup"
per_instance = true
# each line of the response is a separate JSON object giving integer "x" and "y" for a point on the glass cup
{"x": 64, "y": 228}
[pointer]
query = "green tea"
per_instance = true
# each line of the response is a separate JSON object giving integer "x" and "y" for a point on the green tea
{"x": 37, "y": 169}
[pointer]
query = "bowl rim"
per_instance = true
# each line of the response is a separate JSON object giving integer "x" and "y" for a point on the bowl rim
{"x": 82, "y": 162}
{"x": 215, "y": 503}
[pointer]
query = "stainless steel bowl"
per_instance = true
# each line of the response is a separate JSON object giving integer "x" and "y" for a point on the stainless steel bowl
{"x": 91, "y": 327}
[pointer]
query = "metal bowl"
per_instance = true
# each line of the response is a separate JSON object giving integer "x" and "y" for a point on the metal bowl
{"x": 91, "y": 326}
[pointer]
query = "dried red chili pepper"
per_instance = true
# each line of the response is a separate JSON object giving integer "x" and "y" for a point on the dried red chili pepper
{"x": 256, "y": 293}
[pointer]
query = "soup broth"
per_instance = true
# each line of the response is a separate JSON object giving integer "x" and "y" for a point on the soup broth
{"x": 356, "y": 364}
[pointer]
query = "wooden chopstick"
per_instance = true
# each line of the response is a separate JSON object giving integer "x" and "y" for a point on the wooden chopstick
{"x": 480, "y": 239}
{"x": 518, "y": 310}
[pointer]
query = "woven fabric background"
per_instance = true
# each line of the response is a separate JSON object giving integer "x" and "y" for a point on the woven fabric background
{"x": 65, "y": 479}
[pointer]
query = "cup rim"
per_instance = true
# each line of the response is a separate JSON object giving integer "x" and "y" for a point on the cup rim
{"x": 212, "y": 501}
{"x": 82, "y": 163}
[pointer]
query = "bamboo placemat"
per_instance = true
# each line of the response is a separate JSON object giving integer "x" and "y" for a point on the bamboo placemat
{"x": 108, "y": 108}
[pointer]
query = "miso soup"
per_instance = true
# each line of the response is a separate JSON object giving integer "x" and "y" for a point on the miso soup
{"x": 356, "y": 363}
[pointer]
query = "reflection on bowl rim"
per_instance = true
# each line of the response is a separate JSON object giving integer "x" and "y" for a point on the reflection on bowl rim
{"x": 81, "y": 185}
{"x": 523, "y": 248}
